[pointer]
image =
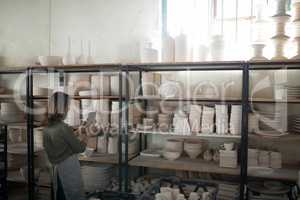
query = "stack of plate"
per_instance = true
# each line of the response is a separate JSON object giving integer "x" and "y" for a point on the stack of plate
{"x": 100, "y": 85}
{"x": 96, "y": 178}
{"x": 195, "y": 118}
{"x": 253, "y": 157}
{"x": 78, "y": 82}
{"x": 287, "y": 91}
{"x": 38, "y": 138}
{"x": 275, "y": 160}
{"x": 164, "y": 121}
{"x": 101, "y": 107}
{"x": 228, "y": 159}
{"x": 87, "y": 108}
{"x": 114, "y": 115}
{"x": 264, "y": 159}
{"x": 228, "y": 191}
{"x": 222, "y": 119}
{"x": 73, "y": 115}
{"x": 294, "y": 123}
{"x": 253, "y": 123}
{"x": 11, "y": 113}
{"x": 134, "y": 114}
{"x": 236, "y": 119}
{"x": 181, "y": 123}
{"x": 208, "y": 114}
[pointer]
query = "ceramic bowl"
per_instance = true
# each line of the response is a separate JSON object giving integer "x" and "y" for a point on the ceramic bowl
{"x": 171, "y": 155}
{"x": 174, "y": 145}
{"x": 193, "y": 148}
{"x": 50, "y": 60}
{"x": 88, "y": 152}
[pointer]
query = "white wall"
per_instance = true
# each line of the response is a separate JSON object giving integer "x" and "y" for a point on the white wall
{"x": 115, "y": 28}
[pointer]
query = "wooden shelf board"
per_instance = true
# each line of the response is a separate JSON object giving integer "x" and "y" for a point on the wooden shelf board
{"x": 185, "y": 164}
{"x": 103, "y": 158}
{"x": 284, "y": 174}
{"x": 263, "y": 100}
{"x": 290, "y": 136}
{"x": 77, "y": 97}
{"x": 200, "y": 135}
{"x": 158, "y": 98}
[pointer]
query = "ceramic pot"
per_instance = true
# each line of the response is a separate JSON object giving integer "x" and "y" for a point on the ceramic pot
{"x": 258, "y": 52}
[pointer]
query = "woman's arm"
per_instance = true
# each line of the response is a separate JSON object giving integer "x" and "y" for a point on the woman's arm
{"x": 77, "y": 146}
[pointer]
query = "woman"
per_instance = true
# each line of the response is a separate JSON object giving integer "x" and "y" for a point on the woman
{"x": 62, "y": 147}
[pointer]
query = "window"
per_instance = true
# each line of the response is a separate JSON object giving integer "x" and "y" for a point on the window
{"x": 233, "y": 19}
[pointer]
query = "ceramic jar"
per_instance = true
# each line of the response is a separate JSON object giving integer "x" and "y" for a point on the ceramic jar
{"x": 258, "y": 52}
{"x": 181, "y": 48}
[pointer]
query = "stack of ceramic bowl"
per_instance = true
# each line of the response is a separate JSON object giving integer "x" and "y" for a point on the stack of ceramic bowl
{"x": 152, "y": 112}
{"x": 275, "y": 160}
{"x": 11, "y": 113}
{"x": 78, "y": 82}
{"x": 253, "y": 123}
{"x": 96, "y": 178}
{"x": 208, "y": 114}
{"x": 193, "y": 148}
{"x": 114, "y": 115}
{"x": 173, "y": 149}
{"x": 253, "y": 157}
{"x": 181, "y": 123}
{"x": 296, "y": 24}
{"x": 38, "y": 138}
{"x": 195, "y": 118}
{"x": 221, "y": 119}
{"x": 171, "y": 89}
{"x": 73, "y": 115}
{"x": 148, "y": 124}
{"x": 235, "y": 119}
{"x": 164, "y": 121}
{"x": 264, "y": 158}
{"x": 100, "y": 85}
{"x": 280, "y": 38}
{"x": 101, "y": 107}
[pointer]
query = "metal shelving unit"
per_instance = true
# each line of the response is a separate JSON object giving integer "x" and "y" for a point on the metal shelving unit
{"x": 123, "y": 160}
{"x": 3, "y": 161}
{"x": 187, "y": 164}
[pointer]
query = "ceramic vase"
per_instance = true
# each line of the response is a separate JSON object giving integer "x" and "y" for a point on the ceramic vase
{"x": 258, "y": 52}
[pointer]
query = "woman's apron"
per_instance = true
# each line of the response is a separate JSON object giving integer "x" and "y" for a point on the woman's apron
{"x": 69, "y": 174}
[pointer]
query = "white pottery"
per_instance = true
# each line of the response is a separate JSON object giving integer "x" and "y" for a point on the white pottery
{"x": 148, "y": 53}
{"x": 69, "y": 59}
{"x": 296, "y": 14}
{"x": 181, "y": 48}
{"x": 50, "y": 60}
{"x": 279, "y": 45}
{"x": 280, "y": 7}
{"x": 258, "y": 52}
{"x": 171, "y": 89}
{"x": 171, "y": 155}
{"x": 100, "y": 84}
{"x": 82, "y": 59}
{"x": 193, "y": 148}
{"x": 202, "y": 53}
{"x": 102, "y": 144}
{"x": 228, "y": 146}
{"x": 297, "y": 41}
{"x": 280, "y": 23}
{"x": 112, "y": 145}
{"x": 90, "y": 59}
{"x": 174, "y": 145}
{"x": 38, "y": 138}
{"x": 168, "y": 49}
{"x": 217, "y": 48}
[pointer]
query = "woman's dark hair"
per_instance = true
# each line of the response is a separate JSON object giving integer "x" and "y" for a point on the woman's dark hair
{"x": 58, "y": 106}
